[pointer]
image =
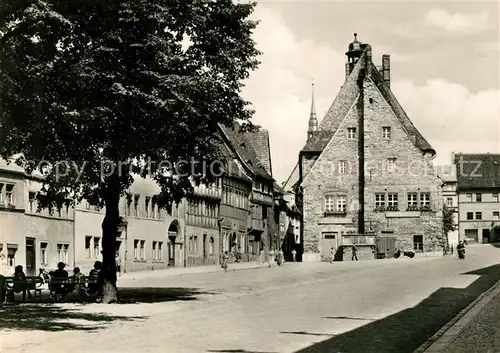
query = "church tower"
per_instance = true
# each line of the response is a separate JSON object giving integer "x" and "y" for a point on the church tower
{"x": 313, "y": 120}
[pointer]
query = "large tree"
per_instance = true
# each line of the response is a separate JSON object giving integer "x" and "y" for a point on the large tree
{"x": 90, "y": 90}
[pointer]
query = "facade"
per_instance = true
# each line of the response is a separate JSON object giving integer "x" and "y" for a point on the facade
{"x": 365, "y": 171}
{"x": 27, "y": 237}
{"x": 150, "y": 239}
{"x": 478, "y": 187}
{"x": 450, "y": 199}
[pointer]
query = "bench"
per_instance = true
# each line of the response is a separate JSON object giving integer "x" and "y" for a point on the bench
{"x": 63, "y": 286}
{"x": 32, "y": 283}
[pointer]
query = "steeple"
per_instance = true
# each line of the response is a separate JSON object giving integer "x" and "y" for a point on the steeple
{"x": 313, "y": 121}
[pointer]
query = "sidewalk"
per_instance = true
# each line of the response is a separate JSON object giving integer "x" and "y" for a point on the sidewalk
{"x": 474, "y": 330}
{"x": 180, "y": 271}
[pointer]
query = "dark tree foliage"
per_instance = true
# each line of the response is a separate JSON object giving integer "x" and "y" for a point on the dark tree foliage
{"x": 448, "y": 221}
{"x": 91, "y": 90}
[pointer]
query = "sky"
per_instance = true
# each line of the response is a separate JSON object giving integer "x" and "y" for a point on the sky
{"x": 444, "y": 69}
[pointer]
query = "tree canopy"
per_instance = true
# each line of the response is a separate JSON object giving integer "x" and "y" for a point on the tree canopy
{"x": 92, "y": 90}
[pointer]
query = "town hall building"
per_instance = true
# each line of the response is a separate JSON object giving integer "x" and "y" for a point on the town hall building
{"x": 366, "y": 171}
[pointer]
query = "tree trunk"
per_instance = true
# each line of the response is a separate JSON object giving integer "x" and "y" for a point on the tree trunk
{"x": 109, "y": 234}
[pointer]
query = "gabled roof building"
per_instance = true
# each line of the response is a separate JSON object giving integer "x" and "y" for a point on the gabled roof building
{"x": 366, "y": 169}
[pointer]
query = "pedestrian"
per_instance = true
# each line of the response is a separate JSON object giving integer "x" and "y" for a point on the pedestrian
{"x": 271, "y": 258}
{"x": 118, "y": 264}
{"x": 332, "y": 255}
{"x": 294, "y": 255}
{"x": 261, "y": 257}
{"x": 281, "y": 258}
{"x": 354, "y": 253}
{"x": 225, "y": 260}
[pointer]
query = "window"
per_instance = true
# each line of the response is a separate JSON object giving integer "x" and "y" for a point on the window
{"x": 425, "y": 200}
{"x": 65, "y": 253}
{"x": 154, "y": 250}
{"x": 59, "y": 253}
{"x": 136, "y": 249}
{"x": 478, "y": 197}
{"x": 211, "y": 246}
{"x": 479, "y": 215}
{"x": 412, "y": 200}
{"x": 343, "y": 167}
{"x": 449, "y": 202}
{"x": 96, "y": 247}
{"x": 9, "y": 194}
{"x": 329, "y": 235}
{"x": 31, "y": 198}
{"x": 329, "y": 203}
{"x": 351, "y": 132}
{"x": 470, "y": 215}
{"x": 147, "y": 202}
{"x": 386, "y": 132}
{"x": 342, "y": 204}
{"x": 129, "y": 202}
{"x": 143, "y": 250}
{"x": 392, "y": 200}
{"x": 44, "y": 260}
{"x": 136, "y": 205}
{"x": 379, "y": 201}
{"x": 11, "y": 254}
{"x": 469, "y": 197}
{"x": 496, "y": 215}
{"x": 159, "y": 256}
{"x": 391, "y": 165}
{"x": 88, "y": 250}
{"x": 418, "y": 242}
{"x": 495, "y": 197}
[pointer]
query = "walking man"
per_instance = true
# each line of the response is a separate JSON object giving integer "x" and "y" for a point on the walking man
{"x": 354, "y": 253}
{"x": 332, "y": 255}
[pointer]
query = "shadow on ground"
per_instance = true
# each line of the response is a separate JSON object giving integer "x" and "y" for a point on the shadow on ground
{"x": 49, "y": 317}
{"x": 130, "y": 295}
{"x": 236, "y": 351}
{"x": 407, "y": 330}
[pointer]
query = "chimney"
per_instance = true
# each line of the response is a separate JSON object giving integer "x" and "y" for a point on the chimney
{"x": 386, "y": 69}
{"x": 368, "y": 61}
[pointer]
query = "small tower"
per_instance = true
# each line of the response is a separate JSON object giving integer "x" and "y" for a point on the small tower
{"x": 313, "y": 121}
{"x": 355, "y": 51}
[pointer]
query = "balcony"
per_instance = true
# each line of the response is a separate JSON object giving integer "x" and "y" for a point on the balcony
{"x": 357, "y": 239}
{"x": 258, "y": 197}
{"x": 255, "y": 225}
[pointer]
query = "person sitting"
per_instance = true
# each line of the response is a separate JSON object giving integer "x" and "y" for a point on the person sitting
{"x": 60, "y": 281}
{"x": 19, "y": 282}
{"x": 94, "y": 278}
{"x": 78, "y": 282}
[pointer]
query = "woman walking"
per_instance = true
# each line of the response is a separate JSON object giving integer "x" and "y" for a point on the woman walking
{"x": 225, "y": 260}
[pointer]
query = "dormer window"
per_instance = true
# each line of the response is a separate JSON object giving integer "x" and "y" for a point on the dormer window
{"x": 351, "y": 132}
{"x": 243, "y": 145}
{"x": 386, "y": 132}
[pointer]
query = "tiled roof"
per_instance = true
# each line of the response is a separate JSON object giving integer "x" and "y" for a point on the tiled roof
{"x": 346, "y": 98}
{"x": 243, "y": 146}
{"x": 410, "y": 129}
{"x": 260, "y": 144}
{"x": 232, "y": 167}
{"x": 478, "y": 171}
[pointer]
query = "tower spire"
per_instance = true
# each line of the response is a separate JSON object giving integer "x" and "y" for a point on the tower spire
{"x": 313, "y": 121}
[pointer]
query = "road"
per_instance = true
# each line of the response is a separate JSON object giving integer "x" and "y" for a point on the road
{"x": 367, "y": 306}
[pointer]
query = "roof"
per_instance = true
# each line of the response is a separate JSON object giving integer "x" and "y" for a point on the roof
{"x": 260, "y": 143}
{"x": 243, "y": 146}
{"x": 278, "y": 189}
{"x": 292, "y": 179}
{"x": 346, "y": 98}
{"x": 478, "y": 171}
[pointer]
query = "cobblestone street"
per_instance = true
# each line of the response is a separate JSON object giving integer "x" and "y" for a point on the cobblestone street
{"x": 366, "y": 306}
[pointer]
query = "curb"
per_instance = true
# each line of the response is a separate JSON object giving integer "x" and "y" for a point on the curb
{"x": 445, "y": 336}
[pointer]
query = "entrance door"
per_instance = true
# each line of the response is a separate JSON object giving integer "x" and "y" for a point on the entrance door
{"x": 30, "y": 257}
{"x": 471, "y": 235}
{"x": 171, "y": 251}
{"x": 486, "y": 236}
{"x": 328, "y": 241}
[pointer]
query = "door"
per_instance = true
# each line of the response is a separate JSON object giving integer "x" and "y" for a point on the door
{"x": 171, "y": 252}
{"x": 486, "y": 236}
{"x": 471, "y": 235}
{"x": 205, "y": 246}
{"x": 328, "y": 241}
{"x": 30, "y": 257}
